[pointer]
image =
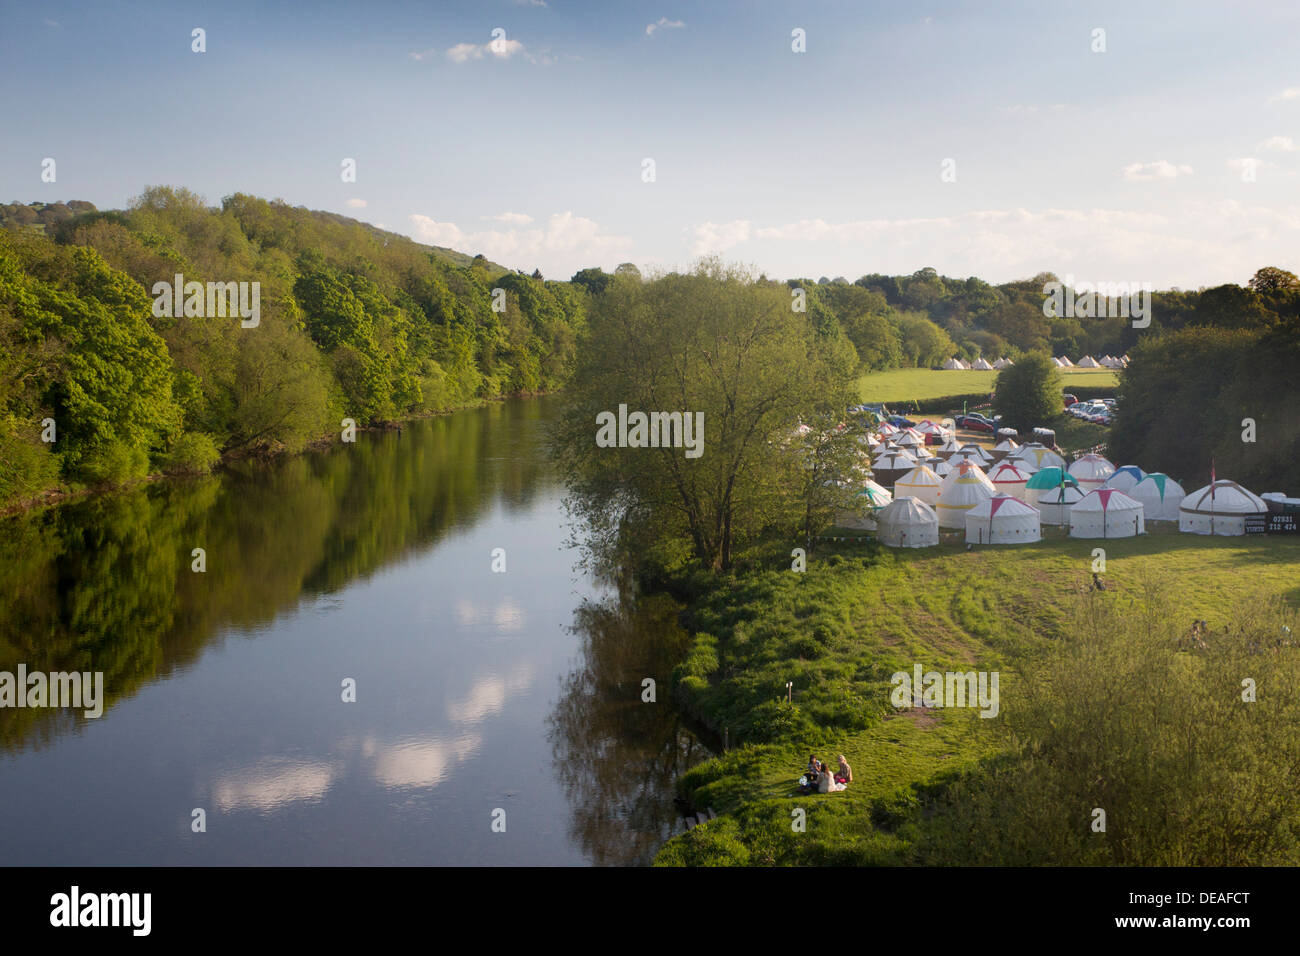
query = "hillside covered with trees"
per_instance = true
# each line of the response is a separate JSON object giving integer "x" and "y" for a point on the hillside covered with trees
{"x": 354, "y": 323}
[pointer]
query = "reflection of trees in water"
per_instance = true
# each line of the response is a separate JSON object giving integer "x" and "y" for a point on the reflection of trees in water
{"x": 104, "y": 583}
{"x": 617, "y": 757}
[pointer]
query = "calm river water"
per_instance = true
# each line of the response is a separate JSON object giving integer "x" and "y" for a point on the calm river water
{"x": 477, "y": 691}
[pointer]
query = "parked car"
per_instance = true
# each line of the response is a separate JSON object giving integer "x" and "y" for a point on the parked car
{"x": 976, "y": 423}
{"x": 1070, "y": 399}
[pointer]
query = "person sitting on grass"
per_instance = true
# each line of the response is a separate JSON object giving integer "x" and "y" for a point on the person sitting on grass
{"x": 845, "y": 775}
{"x": 826, "y": 782}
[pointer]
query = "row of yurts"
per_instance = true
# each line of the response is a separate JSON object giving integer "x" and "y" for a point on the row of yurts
{"x": 1005, "y": 495}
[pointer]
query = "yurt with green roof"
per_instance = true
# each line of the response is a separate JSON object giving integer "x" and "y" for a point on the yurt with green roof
{"x": 1159, "y": 496}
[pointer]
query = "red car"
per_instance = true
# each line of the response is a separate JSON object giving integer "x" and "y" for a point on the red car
{"x": 975, "y": 423}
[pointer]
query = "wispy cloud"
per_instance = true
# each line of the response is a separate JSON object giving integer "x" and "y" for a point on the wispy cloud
{"x": 717, "y": 237}
{"x": 1195, "y": 243}
{"x": 501, "y": 49}
{"x": 663, "y": 24}
{"x": 559, "y": 243}
{"x": 1160, "y": 169}
{"x": 357, "y": 203}
{"x": 1290, "y": 93}
{"x": 1278, "y": 144}
{"x": 518, "y": 218}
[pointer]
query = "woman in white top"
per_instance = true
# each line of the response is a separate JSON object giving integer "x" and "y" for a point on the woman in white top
{"x": 827, "y": 784}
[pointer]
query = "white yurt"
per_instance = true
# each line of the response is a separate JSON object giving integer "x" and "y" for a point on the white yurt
{"x": 953, "y": 364}
{"x": 949, "y": 447}
{"x": 1004, "y": 448}
{"x": 1010, "y": 478}
{"x": 920, "y": 483}
{"x": 964, "y": 488}
{"x": 928, "y": 428}
{"x": 1091, "y": 471}
{"x": 867, "y": 502}
{"x": 907, "y": 523}
{"x": 1106, "y": 513}
{"x": 981, "y": 365}
{"x": 1125, "y": 479}
{"x": 1088, "y": 362}
{"x": 1038, "y": 456}
{"x": 1003, "y": 363}
{"x": 973, "y": 454}
{"x": 1057, "y": 362}
{"x": 909, "y": 441}
{"x": 1054, "y": 504}
{"x": 1065, "y": 362}
{"x": 1220, "y": 508}
{"x": 1159, "y": 496}
{"x": 940, "y": 467}
{"x": 1002, "y": 519}
{"x": 889, "y": 467}
{"x": 887, "y": 430}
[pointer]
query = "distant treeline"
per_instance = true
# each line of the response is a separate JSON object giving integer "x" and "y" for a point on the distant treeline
{"x": 354, "y": 323}
{"x": 924, "y": 319}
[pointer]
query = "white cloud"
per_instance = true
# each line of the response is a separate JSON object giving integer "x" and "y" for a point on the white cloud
{"x": 502, "y": 49}
{"x": 437, "y": 233}
{"x": 530, "y": 3}
{"x": 51, "y": 23}
{"x": 1281, "y": 144}
{"x": 1290, "y": 93}
{"x": 423, "y": 54}
{"x": 519, "y": 218}
{"x": 1160, "y": 169}
{"x": 466, "y": 51}
{"x": 1194, "y": 243}
{"x": 357, "y": 203}
{"x": 663, "y": 24}
{"x": 566, "y": 243}
{"x": 1245, "y": 162}
{"x": 718, "y": 237}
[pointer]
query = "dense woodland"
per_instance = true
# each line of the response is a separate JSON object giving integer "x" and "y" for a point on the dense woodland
{"x": 355, "y": 323}
{"x": 365, "y": 324}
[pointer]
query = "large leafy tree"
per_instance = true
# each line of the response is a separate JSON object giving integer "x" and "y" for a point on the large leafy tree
{"x": 1029, "y": 393}
{"x": 715, "y": 341}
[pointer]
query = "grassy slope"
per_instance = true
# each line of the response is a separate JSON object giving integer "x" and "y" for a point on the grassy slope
{"x": 919, "y": 384}
{"x": 938, "y": 606}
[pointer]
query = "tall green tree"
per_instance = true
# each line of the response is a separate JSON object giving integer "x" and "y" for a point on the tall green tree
{"x": 715, "y": 342}
{"x": 1029, "y": 393}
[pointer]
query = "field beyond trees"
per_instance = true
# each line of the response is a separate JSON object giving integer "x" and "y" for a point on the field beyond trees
{"x": 922, "y": 384}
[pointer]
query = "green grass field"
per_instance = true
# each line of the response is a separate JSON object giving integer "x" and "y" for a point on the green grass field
{"x": 921, "y": 384}
{"x": 839, "y": 629}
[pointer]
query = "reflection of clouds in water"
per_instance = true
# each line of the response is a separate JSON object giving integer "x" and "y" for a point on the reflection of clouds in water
{"x": 272, "y": 783}
{"x": 487, "y": 695}
{"x": 508, "y": 616}
{"x": 421, "y": 762}
{"x": 505, "y": 615}
{"x": 466, "y": 613}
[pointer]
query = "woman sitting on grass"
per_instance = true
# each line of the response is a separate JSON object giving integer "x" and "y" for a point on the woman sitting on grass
{"x": 845, "y": 775}
{"x": 826, "y": 782}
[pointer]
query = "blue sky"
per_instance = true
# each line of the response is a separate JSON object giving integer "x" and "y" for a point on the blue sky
{"x": 1131, "y": 164}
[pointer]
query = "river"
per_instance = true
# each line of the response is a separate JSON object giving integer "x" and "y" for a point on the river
{"x": 497, "y": 718}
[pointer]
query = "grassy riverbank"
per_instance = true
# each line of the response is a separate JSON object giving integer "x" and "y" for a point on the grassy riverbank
{"x": 859, "y": 614}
